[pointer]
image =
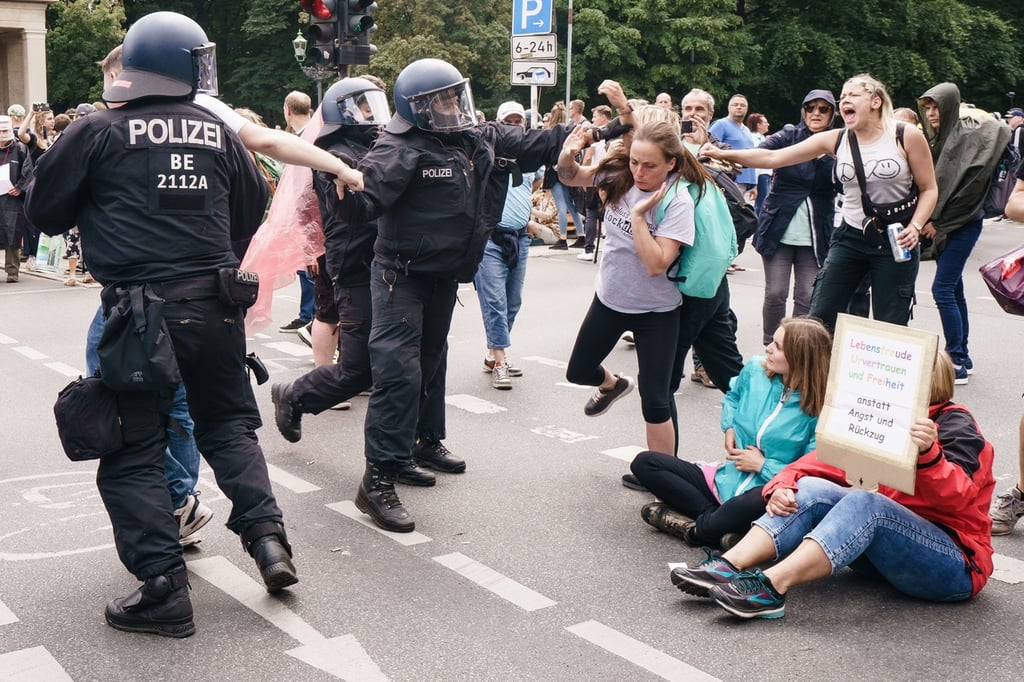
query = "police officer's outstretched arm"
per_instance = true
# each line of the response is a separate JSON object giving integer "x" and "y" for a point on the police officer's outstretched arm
{"x": 249, "y": 193}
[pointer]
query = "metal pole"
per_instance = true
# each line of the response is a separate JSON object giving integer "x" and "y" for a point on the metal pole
{"x": 568, "y": 61}
{"x": 535, "y": 106}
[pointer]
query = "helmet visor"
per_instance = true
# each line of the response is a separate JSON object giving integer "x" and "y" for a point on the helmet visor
{"x": 204, "y": 65}
{"x": 449, "y": 109}
{"x": 369, "y": 107}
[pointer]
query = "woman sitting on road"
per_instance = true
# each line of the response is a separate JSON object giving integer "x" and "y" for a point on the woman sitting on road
{"x": 932, "y": 545}
{"x": 768, "y": 416}
{"x": 894, "y": 159}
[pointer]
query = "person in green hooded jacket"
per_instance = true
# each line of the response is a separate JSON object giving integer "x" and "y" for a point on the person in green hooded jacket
{"x": 965, "y": 150}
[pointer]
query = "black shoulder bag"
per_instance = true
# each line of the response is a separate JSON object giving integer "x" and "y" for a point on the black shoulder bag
{"x": 878, "y": 216}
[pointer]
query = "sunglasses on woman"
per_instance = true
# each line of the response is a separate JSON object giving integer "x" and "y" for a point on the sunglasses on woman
{"x": 821, "y": 108}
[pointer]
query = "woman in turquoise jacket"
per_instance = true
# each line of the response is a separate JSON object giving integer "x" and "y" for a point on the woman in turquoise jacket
{"x": 768, "y": 416}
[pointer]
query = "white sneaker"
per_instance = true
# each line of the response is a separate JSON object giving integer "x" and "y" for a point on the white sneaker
{"x": 1007, "y": 509}
{"x": 344, "y": 405}
{"x": 306, "y": 334}
{"x": 512, "y": 370}
{"x": 500, "y": 379}
{"x": 585, "y": 256}
{"x": 191, "y": 516}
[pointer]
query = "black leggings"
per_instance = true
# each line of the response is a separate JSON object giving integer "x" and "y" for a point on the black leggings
{"x": 682, "y": 486}
{"x": 655, "y": 334}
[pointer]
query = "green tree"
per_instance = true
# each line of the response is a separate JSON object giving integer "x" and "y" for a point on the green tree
{"x": 80, "y": 33}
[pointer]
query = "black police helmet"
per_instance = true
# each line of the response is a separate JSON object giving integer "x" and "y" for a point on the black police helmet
{"x": 353, "y": 102}
{"x": 165, "y": 54}
{"x": 432, "y": 95}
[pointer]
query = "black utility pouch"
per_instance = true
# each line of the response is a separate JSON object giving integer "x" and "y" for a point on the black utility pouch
{"x": 238, "y": 287}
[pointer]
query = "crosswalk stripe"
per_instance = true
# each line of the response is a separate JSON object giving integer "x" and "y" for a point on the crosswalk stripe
{"x": 282, "y": 478}
{"x": 626, "y": 453}
{"x": 32, "y": 665}
{"x": 6, "y": 615}
{"x": 66, "y": 370}
{"x": 348, "y": 508}
{"x": 495, "y": 582}
{"x": 6, "y": 340}
{"x": 638, "y": 653}
{"x": 236, "y": 583}
{"x": 290, "y": 348}
{"x": 1007, "y": 569}
{"x": 560, "y": 364}
{"x": 471, "y": 403}
{"x": 30, "y": 353}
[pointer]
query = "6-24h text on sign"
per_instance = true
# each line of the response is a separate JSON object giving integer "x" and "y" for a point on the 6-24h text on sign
{"x": 534, "y": 47}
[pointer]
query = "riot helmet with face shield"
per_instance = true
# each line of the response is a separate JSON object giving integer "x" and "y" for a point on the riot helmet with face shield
{"x": 165, "y": 54}
{"x": 431, "y": 94}
{"x": 355, "y": 104}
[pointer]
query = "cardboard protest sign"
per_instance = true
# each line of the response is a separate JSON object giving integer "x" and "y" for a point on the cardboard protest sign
{"x": 878, "y": 384}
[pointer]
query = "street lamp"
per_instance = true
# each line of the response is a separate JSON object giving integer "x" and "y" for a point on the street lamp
{"x": 317, "y": 72}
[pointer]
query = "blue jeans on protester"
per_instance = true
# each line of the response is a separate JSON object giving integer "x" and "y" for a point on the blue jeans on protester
{"x": 564, "y": 202}
{"x": 876, "y": 536}
{"x": 307, "y": 296}
{"x": 948, "y": 288}
{"x": 181, "y": 460}
{"x": 500, "y": 291}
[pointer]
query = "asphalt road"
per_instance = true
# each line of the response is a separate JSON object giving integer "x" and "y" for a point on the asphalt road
{"x": 533, "y": 565}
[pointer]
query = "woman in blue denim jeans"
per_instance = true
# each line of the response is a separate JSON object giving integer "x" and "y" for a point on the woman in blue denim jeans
{"x": 966, "y": 151}
{"x": 932, "y": 545}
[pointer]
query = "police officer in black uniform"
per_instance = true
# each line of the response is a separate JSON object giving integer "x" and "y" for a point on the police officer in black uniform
{"x": 160, "y": 189}
{"x": 354, "y": 111}
{"x": 437, "y": 181}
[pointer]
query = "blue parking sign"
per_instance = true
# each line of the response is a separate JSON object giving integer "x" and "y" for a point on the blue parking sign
{"x": 531, "y": 16}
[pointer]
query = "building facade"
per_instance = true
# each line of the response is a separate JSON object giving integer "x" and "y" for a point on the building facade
{"x": 22, "y": 52}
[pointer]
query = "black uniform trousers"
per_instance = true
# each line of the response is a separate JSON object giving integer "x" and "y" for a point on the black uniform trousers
{"x": 708, "y": 325}
{"x": 209, "y": 343}
{"x": 408, "y": 353}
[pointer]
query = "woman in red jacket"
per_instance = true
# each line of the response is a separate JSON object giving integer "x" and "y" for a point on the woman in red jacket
{"x": 932, "y": 545}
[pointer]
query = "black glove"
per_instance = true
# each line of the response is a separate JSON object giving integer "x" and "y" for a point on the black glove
{"x": 611, "y": 130}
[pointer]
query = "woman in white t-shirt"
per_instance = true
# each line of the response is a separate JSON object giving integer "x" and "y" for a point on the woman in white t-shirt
{"x": 632, "y": 291}
{"x": 893, "y": 159}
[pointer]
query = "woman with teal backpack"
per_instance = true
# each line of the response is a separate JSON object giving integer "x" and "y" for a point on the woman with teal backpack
{"x": 768, "y": 416}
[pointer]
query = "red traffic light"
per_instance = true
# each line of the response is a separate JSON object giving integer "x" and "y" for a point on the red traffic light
{"x": 320, "y": 9}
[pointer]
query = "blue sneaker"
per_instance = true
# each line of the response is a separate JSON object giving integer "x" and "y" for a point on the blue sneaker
{"x": 698, "y": 580}
{"x": 750, "y": 595}
{"x": 961, "y": 375}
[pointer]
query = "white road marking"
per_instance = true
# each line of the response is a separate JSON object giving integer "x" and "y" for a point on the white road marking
{"x": 495, "y": 582}
{"x": 274, "y": 366}
{"x": 261, "y": 335}
{"x": 560, "y": 364}
{"x": 626, "y": 453}
{"x": 30, "y": 353}
{"x": 282, "y": 478}
{"x": 66, "y": 370}
{"x": 32, "y": 665}
{"x": 1007, "y": 569}
{"x": 348, "y": 508}
{"x": 298, "y": 350}
{"x": 638, "y": 653}
{"x": 471, "y": 403}
{"x": 6, "y": 340}
{"x": 6, "y": 615}
{"x": 561, "y": 433}
{"x": 343, "y": 657}
{"x": 236, "y": 583}
{"x": 566, "y": 384}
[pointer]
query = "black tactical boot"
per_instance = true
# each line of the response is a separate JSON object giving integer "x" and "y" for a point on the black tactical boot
{"x": 266, "y": 543}
{"x": 411, "y": 474}
{"x": 377, "y": 497}
{"x": 434, "y": 455}
{"x": 287, "y": 415}
{"x": 161, "y": 607}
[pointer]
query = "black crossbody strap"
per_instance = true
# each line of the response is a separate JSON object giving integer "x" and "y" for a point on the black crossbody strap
{"x": 858, "y": 167}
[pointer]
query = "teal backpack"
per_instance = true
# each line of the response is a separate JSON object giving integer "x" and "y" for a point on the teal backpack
{"x": 702, "y": 266}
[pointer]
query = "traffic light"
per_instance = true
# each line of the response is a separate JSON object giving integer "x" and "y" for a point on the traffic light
{"x": 323, "y": 32}
{"x": 358, "y": 25}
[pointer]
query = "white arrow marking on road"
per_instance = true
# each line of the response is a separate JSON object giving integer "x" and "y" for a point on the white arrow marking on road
{"x": 342, "y": 657}
{"x": 294, "y": 483}
{"x": 6, "y": 340}
{"x": 495, "y": 582}
{"x": 471, "y": 403}
{"x": 291, "y": 348}
{"x": 566, "y": 384}
{"x": 561, "y": 433}
{"x": 638, "y": 653}
{"x": 348, "y": 508}
{"x": 6, "y": 615}
{"x": 30, "y": 353}
{"x": 626, "y": 453}
{"x": 32, "y": 664}
{"x": 236, "y": 583}
{"x": 1007, "y": 569}
{"x": 549, "y": 362}
{"x": 66, "y": 370}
